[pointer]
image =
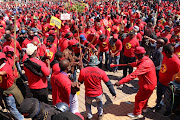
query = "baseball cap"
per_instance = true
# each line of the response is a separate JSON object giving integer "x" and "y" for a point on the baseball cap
{"x": 8, "y": 48}
{"x": 82, "y": 37}
{"x": 30, "y": 50}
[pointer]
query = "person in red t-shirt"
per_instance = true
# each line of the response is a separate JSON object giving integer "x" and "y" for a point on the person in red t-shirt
{"x": 169, "y": 67}
{"x": 129, "y": 43}
{"x": 147, "y": 81}
{"x": 51, "y": 48}
{"x": 7, "y": 85}
{"x": 30, "y": 38}
{"x": 55, "y": 63}
{"x": 104, "y": 48}
{"x": 37, "y": 83}
{"x": 115, "y": 47}
{"x": 61, "y": 84}
{"x": 9, "y": 51}
{"x": 92, "y": 76}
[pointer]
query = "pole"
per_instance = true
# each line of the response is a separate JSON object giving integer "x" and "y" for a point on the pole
{"x": 81, "y": 63}
{"x": 15, "y": 39}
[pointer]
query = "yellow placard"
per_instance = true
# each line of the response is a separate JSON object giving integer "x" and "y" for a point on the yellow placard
{"x": 55, "y": 22}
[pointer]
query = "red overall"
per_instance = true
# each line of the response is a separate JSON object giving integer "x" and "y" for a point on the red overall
{"x": 147, "y": 81}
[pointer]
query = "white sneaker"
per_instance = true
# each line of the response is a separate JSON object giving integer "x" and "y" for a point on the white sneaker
{"x": 135, "y": 116}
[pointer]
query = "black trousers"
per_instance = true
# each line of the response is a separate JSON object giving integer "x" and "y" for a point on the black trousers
{"x": 126, "y": 61}
{"x": 40, "y": 94}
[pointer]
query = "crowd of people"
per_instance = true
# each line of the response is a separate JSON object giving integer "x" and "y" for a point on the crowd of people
{"x": 142, "y": 34}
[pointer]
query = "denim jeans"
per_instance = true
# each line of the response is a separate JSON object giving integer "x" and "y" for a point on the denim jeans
{"x": 106, "y": 58}
{"x": 12, "y": 107}
{"x": 88, "y": 102}
{"x": 116, "y": 61}
{"x": 126, "y": 61}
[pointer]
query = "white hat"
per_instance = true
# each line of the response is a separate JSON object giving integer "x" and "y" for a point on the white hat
{"x": 136, "y": 28}
{"x": 30, "y": 50}
{"x": 29, "y": 45}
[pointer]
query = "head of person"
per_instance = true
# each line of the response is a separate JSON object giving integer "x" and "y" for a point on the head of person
{"x": 167, "y": 29}
{"x": 89, "y": 24}
{"x": 136, "y": 29}
{"x": 157, "y": 29}
{"x": 2, "y": 58}
{"x": 140, "y": 52}
{"x": 8, "y": 37}
{"x": 98, "y": 24}
{"x": 50, "y": 41}
{"x": 81, "y": 28}
{"x": 31, "y": 51}
{"x": 102, "y": 37}
{"x": 35, "y": 43}
{"x": 159, "y": 43}
{"x": 64, "y": 65}
{"x": 58, "y": 55}
{"x": 165, "y": 40}
{"x": 30, "y": 34}
{"x": 131, "y": 34}
{"x": 149, "y": 24}
{"x": 52, "y": 33}
{"x": 115, "y": 37}
{"x": 93, "y": 61}
{"x": 168, "y": 50}
{"x": 9, "y": 51}
{"x": 69, "y": 35}
{"x": 82, "y": 38}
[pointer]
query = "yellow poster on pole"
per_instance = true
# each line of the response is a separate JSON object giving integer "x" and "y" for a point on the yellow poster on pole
{"x": 55, "y": 22}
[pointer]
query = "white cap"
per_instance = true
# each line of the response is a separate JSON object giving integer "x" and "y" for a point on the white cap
{"x": 30, "y": 50}
{"x": 136, "y": 28}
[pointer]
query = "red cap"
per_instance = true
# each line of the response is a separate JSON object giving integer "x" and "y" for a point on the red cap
{"x": 2, "y": 55}
{"x": 115, "y": 36}
{"x": 8, "y": 48}
{"x": 52, "y": 32}
{"x": 140, "y": 50}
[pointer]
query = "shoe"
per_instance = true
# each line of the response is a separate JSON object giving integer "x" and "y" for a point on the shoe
{"x": 167, "y": 113}
{"x": 100, "y": 117}
{"x": 144, "y": 110}
{"x": 135, "y": 116}
{"x": 156, "y": 108}
{"x": 88, "y": 118}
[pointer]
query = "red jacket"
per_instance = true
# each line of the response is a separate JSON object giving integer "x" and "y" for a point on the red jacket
{"x": 145, "y": 71}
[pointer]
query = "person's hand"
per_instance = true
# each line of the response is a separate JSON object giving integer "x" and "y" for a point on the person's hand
{"x": 75, "y": 87}
{"x": 112, "y": 54}
{"x": 146, "y": 37}
{"x": 117, "y": 84}
{"x": 114, "y": 97}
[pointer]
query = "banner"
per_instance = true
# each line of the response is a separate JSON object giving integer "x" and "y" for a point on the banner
{"x": 55, "y": 22}
{"x": 65, "y": 16}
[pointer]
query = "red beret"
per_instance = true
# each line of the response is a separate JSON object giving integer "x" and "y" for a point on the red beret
{"x": 140, "y": 50}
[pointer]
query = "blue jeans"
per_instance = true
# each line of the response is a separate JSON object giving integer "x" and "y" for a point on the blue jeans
{"x": 106, "y": 58}
{"x": 12, "y": 107}
{"x": 116, "y": 61}
{"x": 88, "y": 102}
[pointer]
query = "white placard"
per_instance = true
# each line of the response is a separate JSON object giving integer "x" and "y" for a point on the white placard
{"x": 65, "y": 16}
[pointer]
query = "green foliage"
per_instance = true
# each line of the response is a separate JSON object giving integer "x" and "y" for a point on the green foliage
{"x": 78, "y": 6}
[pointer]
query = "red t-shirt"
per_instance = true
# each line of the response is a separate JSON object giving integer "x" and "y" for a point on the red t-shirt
{"x": 11, "y": 63}
{"x": 27, "y": 41}
{"x": 139, "y": 37}
{"x": 55, "y": 67}
{"x": 92, "y": 76}
{"x": 104, "y": 45}
{"x": 169, "y": 67}
{"x": 51, "y": 52}
{"x": 37, "y": 82}
{"x": 61, "y": 87}
{"x": 7, "y": 80}
{"x": 117, "y": 46}
{"x": 129, "y": 46}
